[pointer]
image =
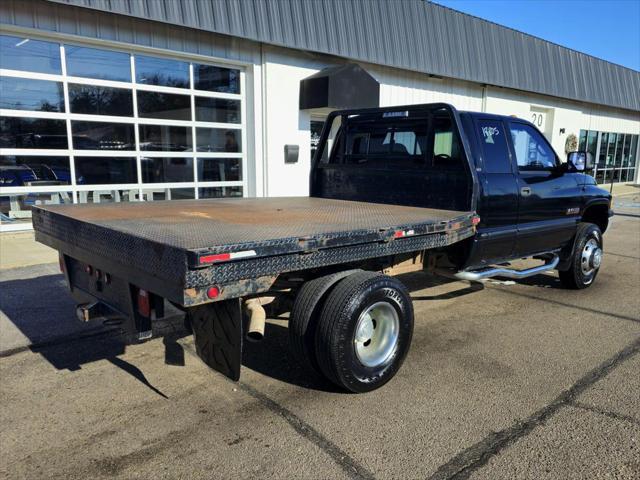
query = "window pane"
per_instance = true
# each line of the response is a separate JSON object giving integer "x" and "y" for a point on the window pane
{"x": 532, "y": 152}
{"x": 16, "y": 209}
{"x": 159, "y": 71}
{"x": 16, "y": 171}
{"x": 218, "y": 192}
{"x": 633, "y": 154}
{"x": 29, "y": 94}
{"x": 165, "y": 138}
{"x": 611, "y": 150}
{"x": 102, "y": 136}
{"x": 216, "y": 79}
{"x": 219, "y": 169}
{"x": 95, "y": 100}
{"x": 108, "y": 196}
{"x": 158, "y": 170}
{"x": 602, "y": 158}
{"x": 164, "y": 105}
{"x": 447, "y": 150}
{"x": 105, "y": 170}
{"x": 218, "y": 140}
{"x": 20, "y": 53}
{"x": 158, "y": 194}
{"x": 217, "y": 110}
{"x": 32, "y": 133}
{"x": 619, "y": 145}
{"x": 582, "y": 144}
{"x": 94, "y": 63}
{"x": 626, "y": 150}
{"x": 592, "y": 142}
{"x": 494, "y": 146}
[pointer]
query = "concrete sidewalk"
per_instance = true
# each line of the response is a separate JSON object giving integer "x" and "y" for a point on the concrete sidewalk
{"x": 20, "y": 249}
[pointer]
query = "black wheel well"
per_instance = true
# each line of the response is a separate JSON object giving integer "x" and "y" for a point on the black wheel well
{"x": 598, "y": 215}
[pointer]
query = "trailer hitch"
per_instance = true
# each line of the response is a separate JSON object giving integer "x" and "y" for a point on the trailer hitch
{"x": 87, "y": 312}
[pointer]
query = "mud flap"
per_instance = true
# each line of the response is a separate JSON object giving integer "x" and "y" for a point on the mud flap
{"x": 217, "y": 332}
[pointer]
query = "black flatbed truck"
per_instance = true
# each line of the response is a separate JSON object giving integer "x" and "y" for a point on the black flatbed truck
{"x": 392, "y": 190}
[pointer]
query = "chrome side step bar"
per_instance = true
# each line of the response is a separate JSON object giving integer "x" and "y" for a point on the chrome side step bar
{"x": 551, "y": 264}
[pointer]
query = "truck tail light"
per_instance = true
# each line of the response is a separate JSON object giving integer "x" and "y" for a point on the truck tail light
{"x": 475, "y": 220}
{"x": 403, "y": 233}
{"x": 144, "y": 303}
{"x": 224, "y": 257}
{"x": 213, "y": 292}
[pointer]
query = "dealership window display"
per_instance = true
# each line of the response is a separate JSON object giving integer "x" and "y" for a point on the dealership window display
{"x": 87, "y": 124}
{"x": 615, "y": 155}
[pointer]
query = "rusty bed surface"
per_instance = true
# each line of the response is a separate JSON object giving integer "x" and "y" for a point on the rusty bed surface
{"x": 196, "y": 224}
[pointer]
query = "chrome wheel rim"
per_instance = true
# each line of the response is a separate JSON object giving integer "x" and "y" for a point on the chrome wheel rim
{"x": 591, "y": 257}
{"x": 376, "y": 334}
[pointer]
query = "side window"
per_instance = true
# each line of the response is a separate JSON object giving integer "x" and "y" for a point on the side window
{"x": 532, "y": 151}
{"x": 446, "y": 144}
{"x": 494, "y": 146}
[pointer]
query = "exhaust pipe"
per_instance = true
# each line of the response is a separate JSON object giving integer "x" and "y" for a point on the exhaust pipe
{"x": 257, "y": 317}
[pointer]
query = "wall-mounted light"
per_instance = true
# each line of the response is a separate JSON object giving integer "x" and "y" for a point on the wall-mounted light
{"x": 562, "y": 130}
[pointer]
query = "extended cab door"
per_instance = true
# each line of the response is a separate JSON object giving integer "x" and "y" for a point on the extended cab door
{"x": 498, "y": 199}
{"x": 548, "y": 198}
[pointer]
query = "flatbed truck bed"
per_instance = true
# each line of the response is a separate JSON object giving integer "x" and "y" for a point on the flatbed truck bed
{"x": 179, "y": 249}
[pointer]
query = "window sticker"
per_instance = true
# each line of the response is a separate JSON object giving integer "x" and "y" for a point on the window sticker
{"x": 490, "y": 132}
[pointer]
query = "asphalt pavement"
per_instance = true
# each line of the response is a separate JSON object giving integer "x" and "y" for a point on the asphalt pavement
{"x": 504, "y": 380}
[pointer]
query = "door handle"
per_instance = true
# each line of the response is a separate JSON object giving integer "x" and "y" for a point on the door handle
{"x": 525, "y": 191}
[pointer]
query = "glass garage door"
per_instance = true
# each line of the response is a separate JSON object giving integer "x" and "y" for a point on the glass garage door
{"x": 616, "y": 155}
{"x": 90, "y": 125}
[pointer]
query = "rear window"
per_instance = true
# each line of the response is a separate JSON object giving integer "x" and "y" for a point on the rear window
{"x": 386, "y": 145}
{"x": 494, "y": 146}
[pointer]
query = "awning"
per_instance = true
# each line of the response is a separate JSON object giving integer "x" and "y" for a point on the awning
{"x": 344, "y": 86}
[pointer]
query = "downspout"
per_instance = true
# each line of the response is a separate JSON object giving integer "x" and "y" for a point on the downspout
{"x": 265, "y": 139}
{"x": 484, "y": 98}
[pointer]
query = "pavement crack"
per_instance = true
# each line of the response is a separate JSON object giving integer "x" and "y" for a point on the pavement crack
{"x": 348, "y": 464}
{"x": 462, "y": 465}
{"x": 606, "y": 413}
{"x": 564, "y": 304}
{"x": 621, "y": 255}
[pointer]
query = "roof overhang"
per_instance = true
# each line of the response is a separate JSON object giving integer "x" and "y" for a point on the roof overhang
{"x": 340, "y": 87}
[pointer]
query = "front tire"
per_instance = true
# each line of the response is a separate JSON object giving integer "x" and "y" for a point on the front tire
{"x": 364, "y": 331}
{"x": 586, "y": 258}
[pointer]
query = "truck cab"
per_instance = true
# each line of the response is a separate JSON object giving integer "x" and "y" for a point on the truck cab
{"x": 529, "y": 201}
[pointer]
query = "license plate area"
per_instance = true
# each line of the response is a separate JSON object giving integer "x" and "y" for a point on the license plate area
{"x": 100, "y": 284}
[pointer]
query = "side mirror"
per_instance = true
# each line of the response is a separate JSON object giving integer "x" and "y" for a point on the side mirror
{"x": 580, "y": 161}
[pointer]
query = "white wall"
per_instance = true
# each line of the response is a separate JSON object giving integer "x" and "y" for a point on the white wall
{"x": 567, "y": 114}
{"x": 286, "y": 124}
{"x": 401, "y": 87}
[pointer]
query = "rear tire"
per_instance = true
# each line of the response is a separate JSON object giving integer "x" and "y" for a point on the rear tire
{"x": 364, "y": 331}
{"x": 586, "y": 258}
{"x": 303, "y": 320}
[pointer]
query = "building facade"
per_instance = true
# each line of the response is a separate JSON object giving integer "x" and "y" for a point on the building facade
{"x": 143, "y": 100}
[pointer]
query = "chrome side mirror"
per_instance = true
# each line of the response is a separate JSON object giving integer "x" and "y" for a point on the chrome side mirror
{"x": 580, "y": 161}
